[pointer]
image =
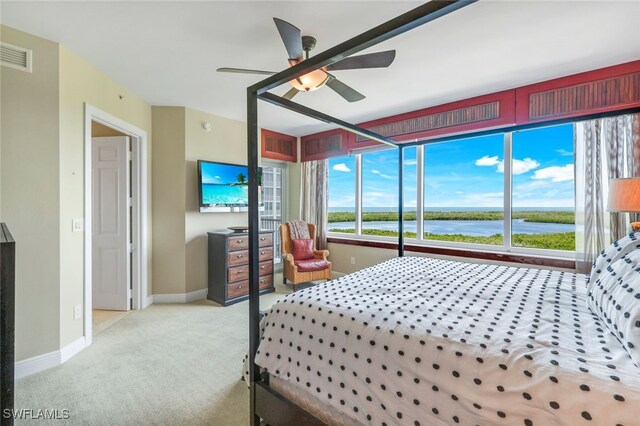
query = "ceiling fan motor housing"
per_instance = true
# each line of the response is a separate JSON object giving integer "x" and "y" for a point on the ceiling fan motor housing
{"x": 308, "y": 43}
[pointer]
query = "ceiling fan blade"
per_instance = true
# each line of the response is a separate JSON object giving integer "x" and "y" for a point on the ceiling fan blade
{"x": 343, "y": 90}
{"x": 291, "y": 93}
{"x": 245, "y": 71}
{"x": 370, "y": 60}
{"x": 291, "y": 37}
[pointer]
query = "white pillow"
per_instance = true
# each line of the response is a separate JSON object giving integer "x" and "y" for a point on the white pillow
{"x": 612, "y": 253}
{"x": 615, "y": 299}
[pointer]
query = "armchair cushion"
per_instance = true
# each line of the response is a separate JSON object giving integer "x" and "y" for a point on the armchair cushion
{"x": 302, "y": 249}
{"x": 311, "y": 265}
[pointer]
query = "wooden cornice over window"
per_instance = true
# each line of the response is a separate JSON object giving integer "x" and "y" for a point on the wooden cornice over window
{"x": 603, "y": 90}
{"x": 278, "y": 146}
{"x": 327, "y": 144}
{"x": 489, "y": 111}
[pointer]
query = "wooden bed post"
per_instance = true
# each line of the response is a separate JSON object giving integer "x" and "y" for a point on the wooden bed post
{"x": 396, "y": 26}
{"x": 400, "y": 201}
{"x": 254, "y": 273}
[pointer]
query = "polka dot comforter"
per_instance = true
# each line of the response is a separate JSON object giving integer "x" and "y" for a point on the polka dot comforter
{"x": 422, "y": 341}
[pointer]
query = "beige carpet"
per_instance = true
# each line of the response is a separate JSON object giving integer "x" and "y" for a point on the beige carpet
{"x": 172, "y": 364}
{"x": 102, "y": 319}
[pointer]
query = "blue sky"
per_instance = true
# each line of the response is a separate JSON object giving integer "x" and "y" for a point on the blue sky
{"x": 465, "y": 173}
{"x": 222, "y": 173}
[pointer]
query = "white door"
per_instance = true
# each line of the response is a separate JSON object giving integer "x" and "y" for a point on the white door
{"x": 110, "y": 223}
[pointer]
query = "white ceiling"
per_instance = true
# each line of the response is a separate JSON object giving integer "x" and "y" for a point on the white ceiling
{"x": 167, "y": 52}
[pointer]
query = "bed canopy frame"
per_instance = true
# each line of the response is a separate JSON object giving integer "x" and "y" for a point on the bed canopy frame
{"x": 264, "y": 402}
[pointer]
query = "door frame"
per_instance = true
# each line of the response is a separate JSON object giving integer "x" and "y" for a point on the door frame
{"x": 139, "y": 184}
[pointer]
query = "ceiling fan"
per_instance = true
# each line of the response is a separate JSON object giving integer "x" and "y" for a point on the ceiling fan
{"x": 296, "y": 44}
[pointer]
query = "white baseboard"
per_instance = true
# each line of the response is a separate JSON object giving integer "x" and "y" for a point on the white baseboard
{"x": 43, "y": 362}
{"x": 71, "y": 349}
{"x": 147, "y": 301}
{"x": 196, "y": 295}
{"x": 180, "y": 298}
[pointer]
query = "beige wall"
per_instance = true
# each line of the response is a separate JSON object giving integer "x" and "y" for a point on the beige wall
{"x": 81, "y": 83}
{"x": 341, "y": 254}
{"x": 42, "y": 183}
{"x": 168, "y": 200}
{"x": 227, "y": 143}
{"x": 30, "y": 191}
{"x": 180, "y": 230}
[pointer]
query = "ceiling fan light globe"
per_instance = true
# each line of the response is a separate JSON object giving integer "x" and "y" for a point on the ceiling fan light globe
{"x": 310, "y": 81}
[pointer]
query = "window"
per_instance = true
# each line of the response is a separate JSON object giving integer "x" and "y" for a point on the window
{"x": 272, "y": 216}
{"x": 342, "y": 194}
{"x": 464, "y": 190}
{"x": 543, "y": 211}
{"x": 380, "y": 193}
{"x": 454, "y": 192}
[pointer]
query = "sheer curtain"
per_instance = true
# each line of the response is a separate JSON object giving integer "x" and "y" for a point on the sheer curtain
{"x": 605, "y": 148}
{"x": 314, "y": 198}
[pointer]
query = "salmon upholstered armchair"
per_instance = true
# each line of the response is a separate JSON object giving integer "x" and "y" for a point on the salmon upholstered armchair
{"x": 308, "y": 264}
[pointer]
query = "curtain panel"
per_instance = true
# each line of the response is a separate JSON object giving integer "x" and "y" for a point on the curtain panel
{"x": 314, "y": 198}
{"x": 605, "y": 149}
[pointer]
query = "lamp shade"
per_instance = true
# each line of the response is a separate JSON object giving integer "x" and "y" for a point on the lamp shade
{"x": 624, "y": 195}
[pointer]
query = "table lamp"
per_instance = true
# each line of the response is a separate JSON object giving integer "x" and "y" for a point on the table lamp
{"x": 624, "y": 197}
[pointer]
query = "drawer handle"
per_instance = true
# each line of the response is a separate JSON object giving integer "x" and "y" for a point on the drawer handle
{"x": 261, "y": 281}
{"x": 239, "y": 256}
{"x": 239, "y": 272}
{"x": 262, "y": 239}
{"x": 239, "y": 241}
{"x": 262, "y": 252}
{"x": 240, "y": 286}
{"x": 262, "y": 267}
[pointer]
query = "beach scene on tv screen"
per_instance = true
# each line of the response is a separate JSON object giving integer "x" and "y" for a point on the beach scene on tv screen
{"x": 224, "y": 184}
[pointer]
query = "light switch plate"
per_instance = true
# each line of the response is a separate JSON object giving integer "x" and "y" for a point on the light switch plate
{"x": 77, "y": 225}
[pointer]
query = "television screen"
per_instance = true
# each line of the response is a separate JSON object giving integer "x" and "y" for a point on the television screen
{"x": 224, "y": 187}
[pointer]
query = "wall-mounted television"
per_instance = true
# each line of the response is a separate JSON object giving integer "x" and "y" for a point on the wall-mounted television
{"x": 224, "y": 187}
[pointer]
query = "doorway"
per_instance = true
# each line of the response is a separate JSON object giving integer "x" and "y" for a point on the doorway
{"x": 115, "y": 220}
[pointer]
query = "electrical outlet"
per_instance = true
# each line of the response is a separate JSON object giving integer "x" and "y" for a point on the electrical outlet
{"x": 353, "y": 260}
{"x": 77, "y": 312}
{"x": 77, "y": 225}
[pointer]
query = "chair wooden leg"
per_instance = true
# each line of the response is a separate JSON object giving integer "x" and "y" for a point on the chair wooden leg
{"x": 284, "y": 280}
{"x": 294, "y": 288}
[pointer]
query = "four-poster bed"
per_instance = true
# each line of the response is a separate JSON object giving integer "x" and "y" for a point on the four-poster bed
{"x": 274, "y": 408}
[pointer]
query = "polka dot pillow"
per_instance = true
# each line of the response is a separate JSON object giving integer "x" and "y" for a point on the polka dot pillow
{"x": 612, "y": 253}
{"x": 615, "y": 299}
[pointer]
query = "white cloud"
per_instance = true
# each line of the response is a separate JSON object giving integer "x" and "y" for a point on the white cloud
{"x": 410, "y": 163}
{"x": 555, "y": 173}
{"x": 376, "y": 172}
{"x": 488, "y": 161}
{"x": 217, "y": 177}
{"x": 379, "y": 173}
{"x": 341, "y": 168}
{"x": 518, "y": 167}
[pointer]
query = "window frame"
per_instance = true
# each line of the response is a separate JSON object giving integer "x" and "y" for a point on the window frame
{"x": 505, "y": 248}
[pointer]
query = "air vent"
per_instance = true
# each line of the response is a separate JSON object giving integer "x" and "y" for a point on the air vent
{"x": 15, "y": 57}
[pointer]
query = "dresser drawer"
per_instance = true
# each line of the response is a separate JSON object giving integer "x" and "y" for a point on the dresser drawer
{"x": 238, "y": 273}
{"x": 266, "y": 240}
{"x": 238, "y": 243}
{"x": 265, "y": 253}
{"x": 266, "y": 281}
{"x": 266, "y": 267}
{"x": 237, "y": 289}
{"x": 236, "y": 258}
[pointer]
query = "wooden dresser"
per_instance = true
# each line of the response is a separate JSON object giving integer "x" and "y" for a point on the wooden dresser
{"x": 229, "y": 266}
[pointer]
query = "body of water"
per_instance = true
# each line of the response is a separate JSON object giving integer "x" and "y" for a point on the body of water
{"x": 215, "y": 194}
{"x": 465, "y": 227}
{"x": 453, "y": 209}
